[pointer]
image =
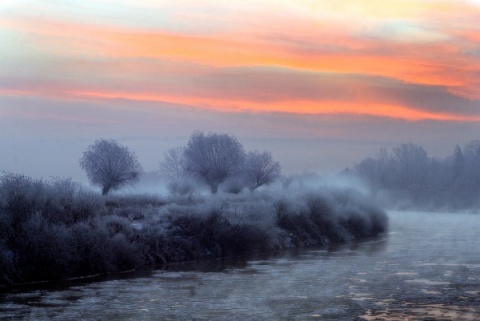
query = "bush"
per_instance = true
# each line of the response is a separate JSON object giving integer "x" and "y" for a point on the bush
{"x": 56, "y": 229}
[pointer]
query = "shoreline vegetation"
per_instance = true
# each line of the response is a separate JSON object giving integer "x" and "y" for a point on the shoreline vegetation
{"x": 56, "y": 230}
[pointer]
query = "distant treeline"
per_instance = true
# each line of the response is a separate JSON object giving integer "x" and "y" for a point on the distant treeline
{"x": 407, "y": 177}
{"x": 57, "y": 229}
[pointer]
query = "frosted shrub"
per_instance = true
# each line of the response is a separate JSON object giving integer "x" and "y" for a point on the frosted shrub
{"x": 180, "y": 188}
{"x": 56, "y": 229}
{"x": 43, "y": 250}
{"x": 7, "y": 266}
{"x": 20, "y": 196}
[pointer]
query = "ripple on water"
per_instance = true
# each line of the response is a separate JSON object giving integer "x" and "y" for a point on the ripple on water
{"x": 406, "y": 273}
{"x": 427, "y": 282}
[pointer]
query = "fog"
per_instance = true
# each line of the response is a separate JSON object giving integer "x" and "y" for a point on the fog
{"x": 59, "y": 229}
{"x": 211, "y": 197}
{"x": 43, "y": 137}
{"x": 407, "y": 177}
{"x": 309, "y": 244}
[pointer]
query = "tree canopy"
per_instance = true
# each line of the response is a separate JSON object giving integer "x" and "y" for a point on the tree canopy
{"x": 110, "y": 165}
{"x": 217, "y": 159}
{"x": 260, "y": 169}
{"x": 213, "y": 157}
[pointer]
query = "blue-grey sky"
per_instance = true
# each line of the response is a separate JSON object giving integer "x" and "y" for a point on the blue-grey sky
{"x": 320, "y": 84}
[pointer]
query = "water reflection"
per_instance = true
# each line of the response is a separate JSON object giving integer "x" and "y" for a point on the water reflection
{"x": 366, "y": 247}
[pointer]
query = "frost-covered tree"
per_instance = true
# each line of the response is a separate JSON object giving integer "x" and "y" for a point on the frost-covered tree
{"x": 260, "y": 169}
{"x": 450, "y": 183}
{"x": 173, "y": 166}
{"x": 471, "y": 174}
{"x": 173, "y": 169}
{"x": 458, "y": 165}
{"x": 412, "y": 167}
{"x": 110, "y": 165}
{"x": 213, "y": 158}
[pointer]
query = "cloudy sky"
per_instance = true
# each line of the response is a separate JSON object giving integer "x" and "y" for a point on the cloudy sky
{"x": 321, "y": 84}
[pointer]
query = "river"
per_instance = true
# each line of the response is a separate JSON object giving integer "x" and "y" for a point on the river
{"x": 426, "y": 268}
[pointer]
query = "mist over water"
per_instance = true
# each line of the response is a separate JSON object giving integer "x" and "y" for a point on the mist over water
{"x": 231, "y": 248}
{"x": 428, "y": 266}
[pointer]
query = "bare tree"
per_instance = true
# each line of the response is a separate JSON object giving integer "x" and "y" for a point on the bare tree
{"x": 173, "y": 169}
{"x": 471, "y": 175}
{"x": 110, "y": 165}
{"x": 411, "y": 165}
{"x": 260, "y": 169}
{"x": 213, "y": 158}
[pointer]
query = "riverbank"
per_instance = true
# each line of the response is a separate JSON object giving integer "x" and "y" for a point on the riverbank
{"x": 426, "y": 267}
{"x": 52, "y": 231}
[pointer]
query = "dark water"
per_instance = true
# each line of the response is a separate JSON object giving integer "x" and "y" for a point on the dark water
{"x": 426, "y": 268}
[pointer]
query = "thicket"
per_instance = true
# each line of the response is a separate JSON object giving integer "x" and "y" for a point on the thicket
{"x": 407, "y": 177}
{"x": 57, "y": 229}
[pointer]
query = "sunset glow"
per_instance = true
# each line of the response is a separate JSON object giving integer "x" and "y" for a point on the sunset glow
{"x": 409, "y": 41}
{"x": 398, "y": 60}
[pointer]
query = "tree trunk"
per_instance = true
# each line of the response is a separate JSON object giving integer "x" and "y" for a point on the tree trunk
{"x": 214, "y": 188}
{"x": 105, "y": 190}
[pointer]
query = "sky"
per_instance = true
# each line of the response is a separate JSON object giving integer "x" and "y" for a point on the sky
{"x": 321, "y": 84}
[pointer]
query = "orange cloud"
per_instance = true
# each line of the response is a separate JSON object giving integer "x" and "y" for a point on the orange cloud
{"x": 436, "y": 63}
{"x": 294, "y": 43}
{"x": 297, "y": 107}
{"x": 249, "y": 91}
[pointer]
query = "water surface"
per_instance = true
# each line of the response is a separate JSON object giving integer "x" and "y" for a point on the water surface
{"x": 426, "y": 268}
